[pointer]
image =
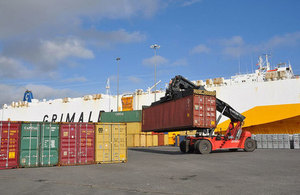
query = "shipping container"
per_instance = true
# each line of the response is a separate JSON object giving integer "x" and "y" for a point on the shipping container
{"x": 137, "y": 140}
{"x": 161, "y": 139}
{"x": 121, "y": 117}
{"x": 130, "y": 140}
{"x": 270, "y": 141}
{"x": 155, "y": 140}
{"x": 188, "y": 113}
{"x": 111, "y": 143}
{"x": 77, "y": 143}
{"x": 39, "y": 144}
{"x": 149, "y": 140}
{"x": 134, "y": 127}
{"x": 296, "y": 139}
{"x": 166, "y": 139}
{"x": 9, "y": 144}
{"x": 275, "y": 141}
{"x": 258, "y": 139}
{"x": 143, "y": 139}
{"x": 280, "y": 141}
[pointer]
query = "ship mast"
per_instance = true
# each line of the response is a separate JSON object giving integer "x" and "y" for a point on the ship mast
{"x": 108, "y": 93}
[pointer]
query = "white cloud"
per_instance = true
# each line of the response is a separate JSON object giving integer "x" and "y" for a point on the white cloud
{"x": 54, "y": 51}
{"x": 236, "y": 46}
{"x": 45, "y": 55}
{"x": 75, "y": 79}
{"x": 190, "y": 2}
{"x": 200, "y": 49}
{"x": 15, "y": 93}
{"x": 289, "y": 39}
{"x": 158, "y": 60}
{"x": 233, "y": 41}
{"x": 12, "y": 69}
{"x": 32, "y": 17}
{"x": 180, "y": 62}
{"x": 110, "y": 38}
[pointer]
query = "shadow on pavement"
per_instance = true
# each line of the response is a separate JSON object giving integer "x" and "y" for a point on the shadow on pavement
{"x": 160, "y": 151}
{"x": 177, "y": 152}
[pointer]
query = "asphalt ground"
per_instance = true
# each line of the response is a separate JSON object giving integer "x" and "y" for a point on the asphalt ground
{"x": 164, "y": 170}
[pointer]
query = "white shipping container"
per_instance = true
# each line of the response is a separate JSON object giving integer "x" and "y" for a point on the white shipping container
{"x": 275, "y": 141}
{"x": 296, "y": 139}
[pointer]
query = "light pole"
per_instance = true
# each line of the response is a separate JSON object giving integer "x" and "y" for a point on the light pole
{"x": 118, "y": 59}
{"x": 155, "y": 46}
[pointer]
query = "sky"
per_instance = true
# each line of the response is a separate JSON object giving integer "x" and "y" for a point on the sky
{"x": 67, "y": 48}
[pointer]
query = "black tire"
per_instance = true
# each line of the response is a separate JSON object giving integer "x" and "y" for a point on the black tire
{"x": 191, "y": 148}
{"x": 250, "y": 145}
{"x": 196, "y": 146}
{"x": 204, "y": 147}
{"x": 184, "y": 147}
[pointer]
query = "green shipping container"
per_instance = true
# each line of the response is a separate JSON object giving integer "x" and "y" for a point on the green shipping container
{"x": 121, "y": 117}
{"x": 39, "y": 144}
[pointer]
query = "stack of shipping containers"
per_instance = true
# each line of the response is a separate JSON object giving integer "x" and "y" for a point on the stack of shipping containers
{"x": 135, "y": 136}
{"x": 35, "y": 144}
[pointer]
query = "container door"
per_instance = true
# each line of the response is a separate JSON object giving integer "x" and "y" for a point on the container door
{"x": 30, "y": 144}
{"x": 68, "y": 141}
{"x": 103, "y": 143}
{"x": 9, "y": 145}
{"x": 119, "y": 146}
{"x": 49, "y": 144}
{"x": 199, "y": 111}
{"x": 86, "y": 151}
{"x": 210, "y": 111}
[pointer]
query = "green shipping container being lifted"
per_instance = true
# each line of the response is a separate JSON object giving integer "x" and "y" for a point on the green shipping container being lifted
{"x": 121, "y": 117}
{"x": 39, "y": 144}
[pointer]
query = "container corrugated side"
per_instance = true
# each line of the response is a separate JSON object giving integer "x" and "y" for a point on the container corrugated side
{"x": 149, "y": 140}
{"x": 161, "y": 139}
{"x": 103, "y": 143}
{"x": 143, "y": 139}
{"x": 111, "y": 143}
{"x": 77, "y": 143}
{"x": 134, "y": 127}
{"x": 191, "y": 112}
{"x": 39, "y": 144}
{"x": 155, "y": 140}
{"x": 9, "y": 144}
{"x": 119, "y": 143}
{"x": 121, "y": 117}
{"x": 166, "y": 139}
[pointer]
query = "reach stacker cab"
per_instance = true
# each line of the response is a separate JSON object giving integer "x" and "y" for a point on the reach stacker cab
{"x": 193, "y": 110}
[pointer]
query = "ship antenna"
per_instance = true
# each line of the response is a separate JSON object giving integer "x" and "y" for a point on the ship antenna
{"x": 108, "y": 92}
{"x": 267, "y": 62}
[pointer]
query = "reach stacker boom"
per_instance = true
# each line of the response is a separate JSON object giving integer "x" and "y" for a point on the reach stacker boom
{"x": 205, "y": 141}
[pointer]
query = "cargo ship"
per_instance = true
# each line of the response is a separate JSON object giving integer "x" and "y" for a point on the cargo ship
{"x": 268, "y": 98}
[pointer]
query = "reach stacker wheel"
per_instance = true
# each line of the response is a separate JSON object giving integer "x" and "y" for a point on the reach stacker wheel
{"x": 184, "y": 146}
{"x": 250, "y": 145}
{"x": 204, "y": 146}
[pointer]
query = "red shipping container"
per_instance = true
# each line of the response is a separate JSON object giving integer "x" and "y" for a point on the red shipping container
{"x": 9, "y": 144}
{"x": 188, "y": 113}
{"x": 161, "y": 139}
{"x": 77, "y": 143}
